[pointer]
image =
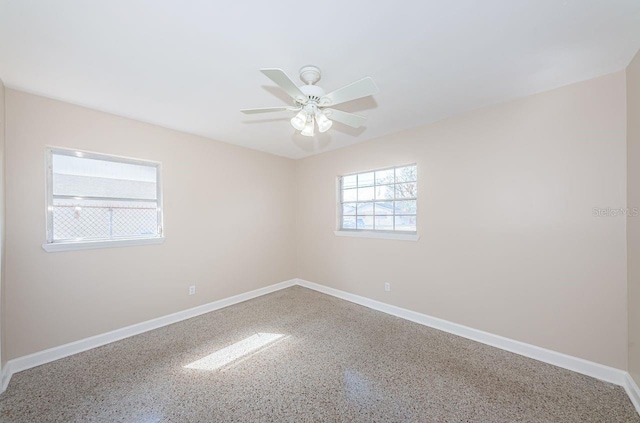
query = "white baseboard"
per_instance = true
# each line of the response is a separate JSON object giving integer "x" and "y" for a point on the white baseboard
{"x": 36, "y": 359}
{"x": 633, "y": 391}
{"x": 579, "y": 365}
{"x": 5, "y": 377}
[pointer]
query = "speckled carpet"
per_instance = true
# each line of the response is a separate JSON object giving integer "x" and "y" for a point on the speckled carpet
{"x": 300, "y": 356}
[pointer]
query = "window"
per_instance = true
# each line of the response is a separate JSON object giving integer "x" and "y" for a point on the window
{"x": 382, "y": 201}
{"x": 95, "y": 200}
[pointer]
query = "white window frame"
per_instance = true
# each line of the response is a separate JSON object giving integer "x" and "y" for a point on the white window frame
{"x": 374, "y": 233}
{"x": 81, "y": 244}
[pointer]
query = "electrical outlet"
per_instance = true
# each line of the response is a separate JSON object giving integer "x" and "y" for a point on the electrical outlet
{"x": 192, "y": 289}
{"x": 387, "y": 287}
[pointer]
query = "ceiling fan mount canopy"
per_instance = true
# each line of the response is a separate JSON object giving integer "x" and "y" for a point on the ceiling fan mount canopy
{"x": 310, "y": 74}
{"x": 311, "y": 102}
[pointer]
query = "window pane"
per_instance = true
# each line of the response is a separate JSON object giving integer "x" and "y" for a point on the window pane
{"x": 384, "y": 177}
{"x": 349, "y": 209}
{"x": 405, "y": 223}
{"x": 101, "y": 219}
{"x": 406, "y": 174}
{"x": 82, "y": 177}
{"x": 406, "y": 207}
{"x": 349, "y": 181}
{"x": 384, "y": 192}
{"x": 383, "y": 208}
{"x": 350, "y": 194}
{"x": 134, "y": 220}
{"x": 365, "y": 179}
{"x": 381, "y": 200}
{"x": 364, "y": 222}
{"x": 409, "y": 190}
{"x": 71, "y": 221}
{"x": 349, "y": 222}
{"x": 365, "y": 208}
{"x": 365, "y": 194}
{"x": 384, "y": 223}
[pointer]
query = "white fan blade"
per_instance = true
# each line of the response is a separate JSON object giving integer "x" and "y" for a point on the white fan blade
{"x": 266, "y": 110}
{"x": 283, "y": 81}
{"x": 362, "y": 88}
{"x": 354, "y": 121}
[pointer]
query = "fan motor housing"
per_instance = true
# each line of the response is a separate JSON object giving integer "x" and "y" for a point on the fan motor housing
{"x": 313, "y": 92}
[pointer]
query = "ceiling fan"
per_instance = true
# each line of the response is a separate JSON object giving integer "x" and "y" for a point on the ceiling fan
{"x": 311, "y": 102}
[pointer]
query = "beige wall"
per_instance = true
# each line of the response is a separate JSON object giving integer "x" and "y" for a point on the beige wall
{"x": 508, "y": 242}
{"x": 633, "y": 222}
{"x": 229, "y": 225}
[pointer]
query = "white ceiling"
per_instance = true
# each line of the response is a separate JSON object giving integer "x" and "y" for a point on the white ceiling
{"x": 192, "y": 65}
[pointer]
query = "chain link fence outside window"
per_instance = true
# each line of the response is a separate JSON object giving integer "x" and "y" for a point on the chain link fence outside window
{"x": 104, "y": 222}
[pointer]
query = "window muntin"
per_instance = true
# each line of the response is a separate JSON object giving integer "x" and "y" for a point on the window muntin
{"x": 96, "y": 197}
{"x": 380, "y": 200}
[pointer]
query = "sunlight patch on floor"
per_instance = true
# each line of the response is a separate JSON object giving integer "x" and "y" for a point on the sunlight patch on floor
{"x": 234, "y": 352}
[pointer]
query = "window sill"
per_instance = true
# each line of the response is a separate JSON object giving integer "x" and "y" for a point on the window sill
{"x": 89, "y": 245}
{"x": 378, "y": 235}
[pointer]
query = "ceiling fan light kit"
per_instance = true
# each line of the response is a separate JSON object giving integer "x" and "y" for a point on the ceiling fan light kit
{"x": 308, "y": 131}
{"x": 299, "y": 120}
{"x": 324, "y": 123}
{"x": 312, "y": 104}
